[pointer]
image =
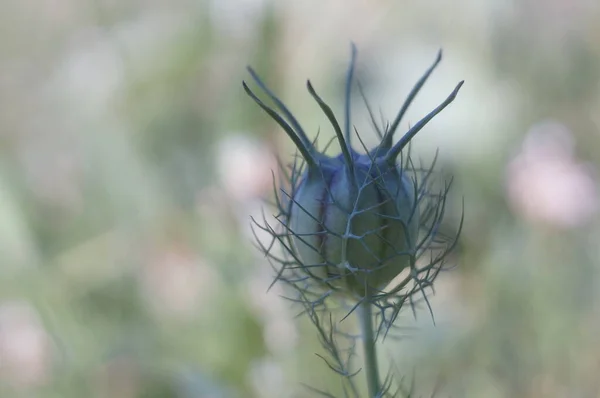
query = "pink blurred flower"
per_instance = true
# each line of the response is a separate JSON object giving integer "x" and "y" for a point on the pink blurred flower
{"x": 245, "y": 167}
{"x": 176, "y": 282}
{"x": 546, "y": 184}
{"x": 25, "y": 347}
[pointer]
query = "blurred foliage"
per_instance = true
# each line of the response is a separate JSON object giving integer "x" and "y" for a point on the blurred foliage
{"x": 131, "y": 161}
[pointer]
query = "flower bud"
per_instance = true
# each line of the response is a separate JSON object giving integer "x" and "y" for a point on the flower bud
{"x": 351, "y": 222}
{"x": 358, "y": 228}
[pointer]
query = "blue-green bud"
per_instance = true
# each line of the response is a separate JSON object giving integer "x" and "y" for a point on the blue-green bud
{"x": 351, "y": 222}
{"x": 356, "y": 226}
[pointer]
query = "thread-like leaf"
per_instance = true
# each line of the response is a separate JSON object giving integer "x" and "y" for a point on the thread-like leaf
{"x": 392, "y": 154}
{"x": 307, "y": 151}
{"x": 386, "y": 142}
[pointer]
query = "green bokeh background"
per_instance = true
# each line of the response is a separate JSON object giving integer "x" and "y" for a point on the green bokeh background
{"x": 131, "y": 161}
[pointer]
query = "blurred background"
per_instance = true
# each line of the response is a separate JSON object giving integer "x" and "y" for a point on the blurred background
{"x": 131, "y": 161}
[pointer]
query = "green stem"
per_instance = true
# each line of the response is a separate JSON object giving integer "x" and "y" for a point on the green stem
{"x": 366, "y": 324}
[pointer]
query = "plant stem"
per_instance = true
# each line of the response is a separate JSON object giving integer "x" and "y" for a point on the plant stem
{"x": 366, "y": 324}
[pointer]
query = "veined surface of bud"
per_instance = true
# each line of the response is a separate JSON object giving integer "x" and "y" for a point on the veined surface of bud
{"x": 351, "y": 223}
{"x": 355, "y": 227}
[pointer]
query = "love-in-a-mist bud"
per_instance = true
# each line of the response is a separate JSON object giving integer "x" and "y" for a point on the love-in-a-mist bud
{"x": 355, "y": 222}
{"x": 351, "y": 222}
